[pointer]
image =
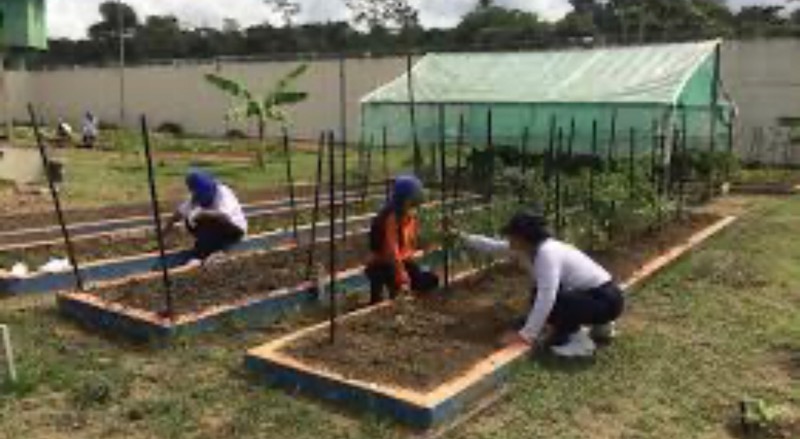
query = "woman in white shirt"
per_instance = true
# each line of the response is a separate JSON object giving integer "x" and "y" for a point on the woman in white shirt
{"x": 571, "y": 290}
{"x": 212, "y": 214}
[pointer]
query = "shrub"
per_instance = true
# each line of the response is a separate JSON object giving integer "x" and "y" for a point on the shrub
{"x": 236, "y": 134}
{"x": 172, "y": 128}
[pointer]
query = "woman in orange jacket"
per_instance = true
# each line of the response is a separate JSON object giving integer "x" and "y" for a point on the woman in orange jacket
{"x": 393, "y": 239}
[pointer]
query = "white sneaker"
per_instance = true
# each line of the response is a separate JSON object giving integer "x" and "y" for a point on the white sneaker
{"x": 579, "y": 345}
{"x": 604, "y": 333}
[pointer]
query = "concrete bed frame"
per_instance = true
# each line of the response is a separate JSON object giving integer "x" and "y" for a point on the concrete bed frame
{"x": 447, "y": 403}
{"x": 122, "y": 268}
{"x": 143, "y": 326}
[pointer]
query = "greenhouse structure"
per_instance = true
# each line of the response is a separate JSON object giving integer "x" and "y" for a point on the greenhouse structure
{"x": 501, "y": 98}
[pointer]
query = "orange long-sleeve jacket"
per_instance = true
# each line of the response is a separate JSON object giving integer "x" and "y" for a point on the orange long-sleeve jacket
{"x": 394, "y": 241}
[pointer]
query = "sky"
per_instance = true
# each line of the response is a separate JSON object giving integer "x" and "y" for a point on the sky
{"x": 71, "y": 18}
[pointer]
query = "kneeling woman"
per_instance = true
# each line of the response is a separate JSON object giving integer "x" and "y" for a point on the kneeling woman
{"x": 572, "y": 291}
{"x": 212, "y": 214}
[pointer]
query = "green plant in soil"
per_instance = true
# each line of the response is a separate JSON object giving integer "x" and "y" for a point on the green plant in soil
{"x": 265, "y": 108}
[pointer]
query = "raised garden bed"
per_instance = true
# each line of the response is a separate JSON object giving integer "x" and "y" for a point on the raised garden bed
{"x": 121, "y": 268}
{"x": 251, "y": 291}
{"x": 426, "y": 362}
{"x": 39, "y": 227}
{"x": 143, "y": 240}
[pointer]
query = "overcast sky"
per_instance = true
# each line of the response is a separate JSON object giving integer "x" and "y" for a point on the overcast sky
{"x": 71, "y": 18}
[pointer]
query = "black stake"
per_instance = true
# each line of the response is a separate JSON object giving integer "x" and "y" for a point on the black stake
{"x": 151, "y": 179}
{"x": 332, "y": 232}
{"x": 386, "y": 176}
{"x": 315, "y": 213}
{"x": 558, "y": 181}
{"x": 459, "y": 163}
{"x": 56, "y": 199}
{"x": 344, "y": 192}
{"x": 287, "y": 151}
{"x": 523, "y": 157}
{"x": 368, "y": 171}
{"x": 632, "y": 165}
{"x": 612, "y": 143}
{"x": 413, "y": 113}
{"x": 443, "y": 168}
{"x": 490, "y": 146}
{"x": 595, "y": 158}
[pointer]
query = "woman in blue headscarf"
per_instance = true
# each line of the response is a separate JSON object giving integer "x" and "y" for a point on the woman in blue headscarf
{"x": 393, "y": 242}
{"x": 212, "y": 214}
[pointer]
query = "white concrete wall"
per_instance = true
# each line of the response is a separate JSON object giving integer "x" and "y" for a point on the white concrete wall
{"x": 180, "y": 93}
{"x": 762, "y": 76}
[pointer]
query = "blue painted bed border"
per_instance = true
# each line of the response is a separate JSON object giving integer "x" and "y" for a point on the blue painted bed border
{"x": 254, "y": 313}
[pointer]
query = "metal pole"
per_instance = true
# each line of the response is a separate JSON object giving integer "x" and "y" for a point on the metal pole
{"x": 368, "y": 171}
{"x": 413, "y": 113}
{"x": 443, "y": 160}
{"x": 558, "y": 180}
{"x": 490, "y": 146}
{"x": 386, "y": 176}
{"x": 592, "y": 184}
{"x": 632, "y": 165}
{"x": 287, "y": 150}
{"x": 523, "y": 157}
{"x": 56, "y": 199}
{"x": 343, "y": 98}
{"x": 121, "y": 31}
{"x": 344, "y": 192}
{"x": 162, "y": 253}
{"x": 332, "y": 237}
{"x": 315, "y": 212}
{"x": 459, "y": 158}
{"x": 612, "y": 143}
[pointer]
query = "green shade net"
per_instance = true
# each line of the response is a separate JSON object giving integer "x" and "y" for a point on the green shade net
{"x": 624, "y": 92}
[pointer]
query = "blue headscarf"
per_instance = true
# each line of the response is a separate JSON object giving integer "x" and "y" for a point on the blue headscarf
{"x": 203, "y": 187}
{"x": 406, "y": 187}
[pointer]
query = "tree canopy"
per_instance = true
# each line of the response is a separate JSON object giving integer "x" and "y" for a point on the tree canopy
{"x": 392, "y": 26}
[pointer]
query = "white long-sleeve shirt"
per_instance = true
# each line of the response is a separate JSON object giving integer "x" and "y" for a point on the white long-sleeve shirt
{"x": 556, "y": 267}
{"x": 225, "y": 203}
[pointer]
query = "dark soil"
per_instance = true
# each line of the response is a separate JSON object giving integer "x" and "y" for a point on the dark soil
{"x": 232, "y": 281}
{"x": 48, "y": 218}
{"x": 421, "y": 344}
{"x": 135, "y": 243}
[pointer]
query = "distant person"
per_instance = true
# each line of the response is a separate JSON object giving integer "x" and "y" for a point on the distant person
{"x": 571, "y": 290}
{"x": 64, "y": 133}
{"x": 212, "y": 214}
{"x": 393, "y": 242}
{"x": 91, "y": 128}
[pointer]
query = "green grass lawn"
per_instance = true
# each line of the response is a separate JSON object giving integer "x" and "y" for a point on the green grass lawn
{"x": 721, "y": 325}
{"x": 101, "y": 178}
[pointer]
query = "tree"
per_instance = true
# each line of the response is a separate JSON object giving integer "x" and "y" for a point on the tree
{"x": 387, "y": 14}
{"x": 264, "y": 108}
{"x": 760, "y": 21}
{"x": 490, "y": 25}
{"x": 161, "y": 37}
{"x": 287, "y": 9}
{"x": 105, "y": 33}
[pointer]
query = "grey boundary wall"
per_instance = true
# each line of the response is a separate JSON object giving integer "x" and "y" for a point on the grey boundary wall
{"x": 762, "y": 76}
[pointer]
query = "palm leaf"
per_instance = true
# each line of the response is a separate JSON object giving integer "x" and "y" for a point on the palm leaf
{"x": 229, "y": 86}
{"x": 289, "y": 97}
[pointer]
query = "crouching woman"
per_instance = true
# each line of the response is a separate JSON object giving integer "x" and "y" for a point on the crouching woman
{"x": 574, "y": 295}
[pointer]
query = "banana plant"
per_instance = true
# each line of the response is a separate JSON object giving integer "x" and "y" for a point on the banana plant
{"x": 261, "y": 108}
